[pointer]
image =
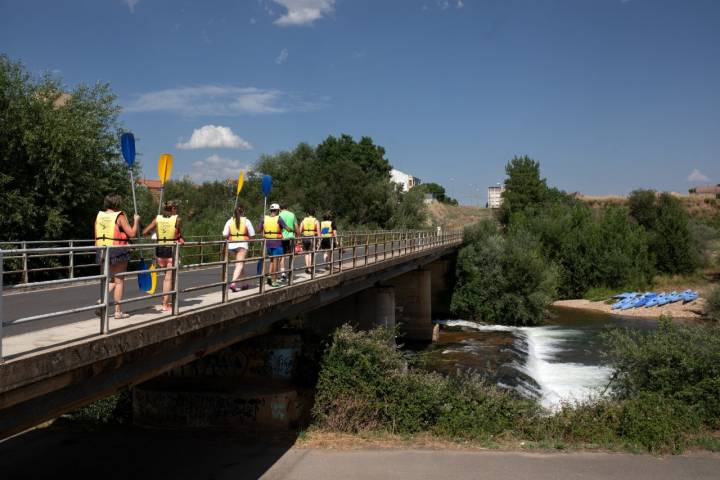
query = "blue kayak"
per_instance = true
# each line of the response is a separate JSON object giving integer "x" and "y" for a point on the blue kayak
{"x": 674, "y": 297}
{"x": 689, "y": 296}
{"x": 641, "y": 301}
{"x": 624, "y": 295}
{"x": 655, "y": 301}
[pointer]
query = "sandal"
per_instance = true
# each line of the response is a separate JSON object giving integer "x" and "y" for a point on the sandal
{"x": 166, "y": 308}
{"x": 121, "y": 315}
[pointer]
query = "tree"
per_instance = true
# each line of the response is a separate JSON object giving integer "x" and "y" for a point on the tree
{"x": 643, "y": 207}
{"x": 58, "y": 155}
{"x": 523, "y": 186}
{"x": 671, "y": 240}
{"x": 437, "y": 191}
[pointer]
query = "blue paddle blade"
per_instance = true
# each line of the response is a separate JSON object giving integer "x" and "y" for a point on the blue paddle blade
{"x": 127, "y": 145}
{"x": 266, "y": 185}
{"x": 144, "y": 278}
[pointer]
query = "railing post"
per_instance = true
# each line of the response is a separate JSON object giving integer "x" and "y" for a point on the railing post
{"x": 71, "y": 265}
{"x": 105, "y": 296}
{"x": 292, "y": 263}
{"x": 262, "y": 267}
{"x": 367, "y": 248}
{"x": 176, "y": 280}
{"x": 224, "y": 273}
{"x": 202, "y": 251}
{"x": 1, "y": 304}
{"x": 315, "y": 241}
{"x": 23, "y": 245}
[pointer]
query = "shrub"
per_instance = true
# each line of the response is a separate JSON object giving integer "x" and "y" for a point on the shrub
{"x": 116, "y": 408}
{"x": 712, "y": 305}
{"x": 677, "y": 362}
{"x": 656, "y": 422}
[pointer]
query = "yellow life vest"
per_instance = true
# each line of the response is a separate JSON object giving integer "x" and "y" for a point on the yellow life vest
{"x": 308, "y": 226}
{"x": 241, "y": 233}
{"x": 326, "y": 228}
{"x": 271, "y": 227}
{"x": 166, "y": 228}
{"x": 107, "y": 230}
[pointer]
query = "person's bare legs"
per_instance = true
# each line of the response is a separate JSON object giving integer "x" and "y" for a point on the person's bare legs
{"x": 118, "y": 285}
{"x": 167, "y": 285}
{"x": 240, "y": 254}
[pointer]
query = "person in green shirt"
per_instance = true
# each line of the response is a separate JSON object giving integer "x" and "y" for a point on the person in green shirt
{"x": 289, "y": 236}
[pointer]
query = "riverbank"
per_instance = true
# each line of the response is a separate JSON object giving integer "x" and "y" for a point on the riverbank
{"x": 692, "y": 310}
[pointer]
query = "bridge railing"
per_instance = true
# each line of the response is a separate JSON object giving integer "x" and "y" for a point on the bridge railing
{"x": 327, "y": 256}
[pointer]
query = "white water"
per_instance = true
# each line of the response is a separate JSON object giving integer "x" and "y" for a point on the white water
{"x": 558, "y": 381}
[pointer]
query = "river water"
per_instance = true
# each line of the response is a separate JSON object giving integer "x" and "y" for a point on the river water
{"x": 559, "y": 361}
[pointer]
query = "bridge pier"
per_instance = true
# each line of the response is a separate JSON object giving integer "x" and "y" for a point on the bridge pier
{"x": 376, "y": 307}
{"x": 413, "y": 305}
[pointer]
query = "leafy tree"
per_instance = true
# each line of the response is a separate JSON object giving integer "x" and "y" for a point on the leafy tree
{"x": 58, "y": 155}
{"x": 523, "y": 186}
{"x": 438, "y": 192}
{"x": 672, "y": 243}
{"x": 504, "y": 279}
{"x": 643, "y": 207}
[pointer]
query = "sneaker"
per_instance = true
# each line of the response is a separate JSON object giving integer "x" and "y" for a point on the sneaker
{"x": 269, "y": 281}
{"x": 308, "y": 271}
{"x": 276, "y": 284}
{"x": 283, "y": 276}
{"x": 244, "y": 286}
{"x": 233, "y": 287}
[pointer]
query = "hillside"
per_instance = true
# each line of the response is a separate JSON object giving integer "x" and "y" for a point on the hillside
{"x": 451, "y": 217}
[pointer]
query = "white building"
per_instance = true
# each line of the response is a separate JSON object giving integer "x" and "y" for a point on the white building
{"x": 405, "y": 179}
{"x": 495, "y": 196}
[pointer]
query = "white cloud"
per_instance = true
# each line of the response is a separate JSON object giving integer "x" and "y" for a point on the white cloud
{"x": 303, "y": 12}
{"x": 214, "y": 136}
{"x": 131, "y": 4}
{"x": 216, "y": 167}
{"x": 220, "y": 100}
{"x": 697, "y": 176}
{"x": 443, "y": 4}
{"x": 282, "y": 58}
{"x": 253, "y": 20}
{"x": 460, "y": 4}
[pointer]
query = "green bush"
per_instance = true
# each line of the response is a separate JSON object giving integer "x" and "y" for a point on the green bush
{"x": 593, "y": 422}
{"x": 656, "y": 423}
{"x": 677, "y": 362}
{"x": 116, "y": 408}
{"x": 712, "y": 306}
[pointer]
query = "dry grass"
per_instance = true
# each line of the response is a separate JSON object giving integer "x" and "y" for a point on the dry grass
{"x": 452, "y": 217}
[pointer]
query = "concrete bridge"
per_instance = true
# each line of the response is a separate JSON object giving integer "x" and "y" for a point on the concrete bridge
{"x": 57, "y": 355}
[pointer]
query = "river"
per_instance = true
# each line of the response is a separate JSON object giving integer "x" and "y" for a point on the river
{"x": 561, "y": 360}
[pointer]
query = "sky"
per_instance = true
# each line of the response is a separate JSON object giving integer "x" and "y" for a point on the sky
{"x": 608, "y": 95}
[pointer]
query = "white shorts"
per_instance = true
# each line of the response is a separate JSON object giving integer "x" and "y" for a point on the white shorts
{"x": 236, "y": 245}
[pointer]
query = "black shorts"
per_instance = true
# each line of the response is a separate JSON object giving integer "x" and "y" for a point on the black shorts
{"x": 327, "y": 243}
{"x": 308, "y": 244}
{"x": 164, "y": 252}
{"x": 288, "y": 245}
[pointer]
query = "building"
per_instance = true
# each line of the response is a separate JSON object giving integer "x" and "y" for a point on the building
{"x": 705, "y": 192}
{"x": 153, "y": 186}
{"x": 405, "y": 179}
{"x": 495, "y": 196}
{"x": 429, "y": 199}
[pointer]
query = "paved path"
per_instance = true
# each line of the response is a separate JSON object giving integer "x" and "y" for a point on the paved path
{"x": 134, "y": 453}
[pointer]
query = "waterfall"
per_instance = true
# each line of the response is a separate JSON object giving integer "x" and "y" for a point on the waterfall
{"x": 548, "y": 365}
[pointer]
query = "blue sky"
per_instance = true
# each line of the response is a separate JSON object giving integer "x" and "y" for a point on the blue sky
{"x": 609, "y": 95}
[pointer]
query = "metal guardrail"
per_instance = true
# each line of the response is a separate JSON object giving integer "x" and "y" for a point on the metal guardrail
{"x": 347, "y": 251}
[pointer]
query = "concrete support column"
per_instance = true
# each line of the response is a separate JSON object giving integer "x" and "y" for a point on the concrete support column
{"x": 443, "y": 281}
{"x": 376, "y": 307}
{"x": 413, "y": 302}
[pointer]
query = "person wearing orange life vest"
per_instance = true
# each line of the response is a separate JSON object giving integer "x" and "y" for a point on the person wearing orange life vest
{"x": 113, "y": 229}
{"x": 271, "y": 227}
{"x": 238, "y": 230}
{"x": 167, "y": 229}
{"x": 328, "y": 234}
{"x": 309, "y": 231}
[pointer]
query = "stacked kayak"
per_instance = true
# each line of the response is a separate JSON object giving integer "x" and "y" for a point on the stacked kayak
{"x": 628, "y": 300}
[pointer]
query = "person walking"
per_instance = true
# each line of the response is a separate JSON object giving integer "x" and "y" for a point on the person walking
{"x": 113, "y": 229}
{"x": 271, "y": 227}
{"x": 328, "y": 234}
{"x": 289, "y": 237}
{"x": 238, "y": 230}
{"x": 167, "y": 228}
{"x": 309, "y": 231}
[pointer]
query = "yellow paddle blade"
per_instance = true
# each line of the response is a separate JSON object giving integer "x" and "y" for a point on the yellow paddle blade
{"x": 241, "y": 180}
{"x": 153, "y": 278}
{"x": 164, "y": 167}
